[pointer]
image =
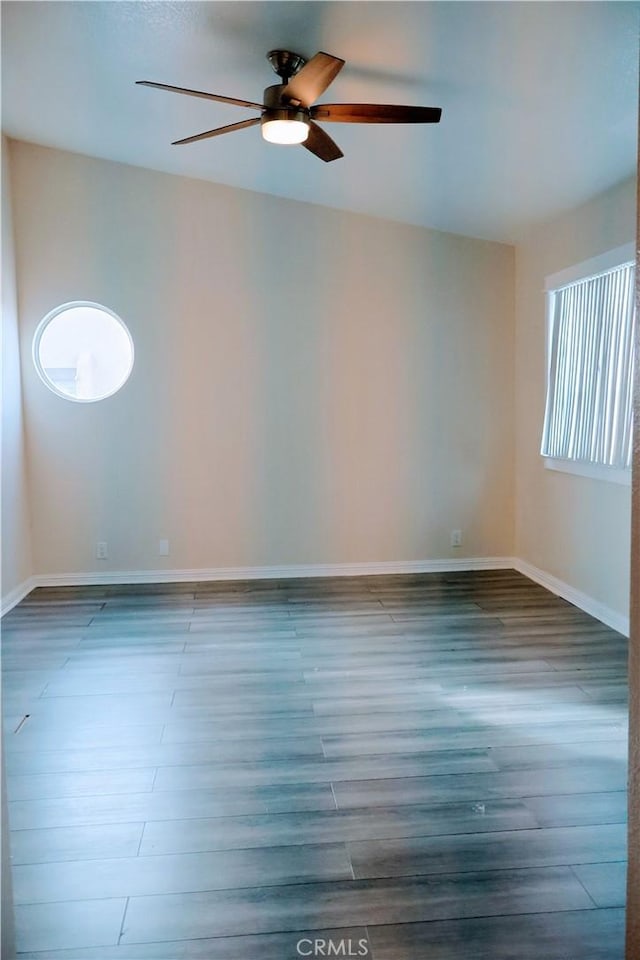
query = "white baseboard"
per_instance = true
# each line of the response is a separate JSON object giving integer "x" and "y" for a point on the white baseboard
{"x": 449, "y": 565}
{"x": 11, "y": 599}
{"x": 617, "y": 621}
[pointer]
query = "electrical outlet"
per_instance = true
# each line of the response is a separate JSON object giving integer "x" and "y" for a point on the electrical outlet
{"x": 101, "y": 550}
{"x": 456, "y": 538}
{"x": 163, "y": 548}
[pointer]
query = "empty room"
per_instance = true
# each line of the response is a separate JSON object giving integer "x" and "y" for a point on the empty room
{"x": 318, "y": 531}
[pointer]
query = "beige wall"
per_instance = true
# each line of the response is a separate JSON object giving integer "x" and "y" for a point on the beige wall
{"x": 16, "y": 537}
{"x": 310, "y": 385}
{"x": 574, "y": 528}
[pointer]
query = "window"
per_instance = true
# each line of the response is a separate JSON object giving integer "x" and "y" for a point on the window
{"x": 83, "y": 352}
{"x": 588, "y": 415}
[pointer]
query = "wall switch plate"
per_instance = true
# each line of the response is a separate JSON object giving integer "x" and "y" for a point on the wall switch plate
{"x": 456, "y": 538}
{"x": 101, "y": 550}
{"x": 163, "y": 548}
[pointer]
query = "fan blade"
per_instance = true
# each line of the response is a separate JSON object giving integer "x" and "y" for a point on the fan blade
{"x": 216, "y": 133}
{"x": 199, "y": 93}
{"x": 374, "y": 113}
{"x": 321, "y": 144}
{"x": 313, "y": 79}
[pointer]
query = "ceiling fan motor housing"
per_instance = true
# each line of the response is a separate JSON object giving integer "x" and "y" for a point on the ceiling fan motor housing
{"x": 277, "y": 107}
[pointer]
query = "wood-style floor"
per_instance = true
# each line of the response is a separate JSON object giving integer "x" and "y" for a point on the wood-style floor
{"x": 431, "y": 767}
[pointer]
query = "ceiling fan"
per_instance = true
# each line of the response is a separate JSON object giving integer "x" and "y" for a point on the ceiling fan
{"x": 288, "y": 114}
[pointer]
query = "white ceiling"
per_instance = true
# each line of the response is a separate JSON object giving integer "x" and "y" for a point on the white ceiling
{"x": 540, "y": 100}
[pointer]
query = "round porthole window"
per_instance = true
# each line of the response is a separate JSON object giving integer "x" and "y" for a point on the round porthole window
{"x": 83, "y": 352}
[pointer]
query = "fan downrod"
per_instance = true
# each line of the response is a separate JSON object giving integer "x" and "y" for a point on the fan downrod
{"x": 285, "y": 63}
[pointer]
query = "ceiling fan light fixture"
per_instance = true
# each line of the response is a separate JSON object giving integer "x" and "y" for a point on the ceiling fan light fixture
{"x": 285, "y": 131}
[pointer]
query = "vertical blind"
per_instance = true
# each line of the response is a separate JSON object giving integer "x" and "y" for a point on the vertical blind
{"x": 588, "y": 414}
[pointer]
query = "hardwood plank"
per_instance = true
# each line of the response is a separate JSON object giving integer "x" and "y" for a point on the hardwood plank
{"x": 167, "y": 805}
{"x": 596, "y": 808}
{"x": 50, "y": 785}
{"x": 174, "y": 873}
{"x": 307, "y": 906}
{"x": 604, "y": 882}
{"x": 319, "y": 771}
{"x": 557, "y": 846}
{"x": 570, "y": 935}
{"x": 465, "y": 737}
{"x": 479, "y": 786}
{"x": 610, "y": 753}
{"x": 50, "y": 733}
{"x": 270, "y": 946}
{"x": 79, "y": 684}
{"x": 162, "y": 755}
{"x": 490, "y": 697}
{"x": 48, "y": 926}
{"x": 332, "y": 826}
{"x": 76, "y": 843}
